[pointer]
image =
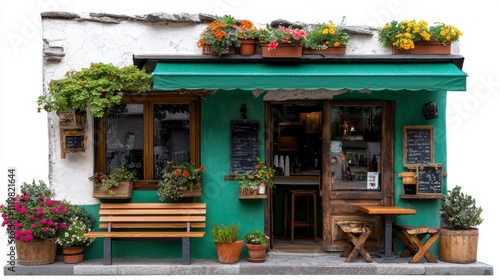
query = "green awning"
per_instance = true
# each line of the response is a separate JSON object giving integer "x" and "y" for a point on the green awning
{"x": 308, "y": 76}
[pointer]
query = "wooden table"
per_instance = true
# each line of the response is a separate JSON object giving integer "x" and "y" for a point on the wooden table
{"x": 387, "y": 213}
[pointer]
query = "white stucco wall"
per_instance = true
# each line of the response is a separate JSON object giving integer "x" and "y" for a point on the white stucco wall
{"x": 472, "y": 115}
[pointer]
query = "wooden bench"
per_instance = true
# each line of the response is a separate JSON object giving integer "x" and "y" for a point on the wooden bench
{"x": 357, "y": 234}
{"x": 412, "y": 237}
{"x": 154, "y": 221}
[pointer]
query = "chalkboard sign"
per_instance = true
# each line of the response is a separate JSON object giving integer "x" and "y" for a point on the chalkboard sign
{"x": 244, "y": 145}
{"x": 430, "y": 179}
{"x": 74, "y": 142}
{"x": 418, "y": 145}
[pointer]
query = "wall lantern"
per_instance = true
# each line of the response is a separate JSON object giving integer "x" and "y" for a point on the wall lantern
{"x": 430, "y": 111}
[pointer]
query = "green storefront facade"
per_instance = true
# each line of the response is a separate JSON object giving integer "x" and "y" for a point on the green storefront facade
{"x": 406, "y": 83}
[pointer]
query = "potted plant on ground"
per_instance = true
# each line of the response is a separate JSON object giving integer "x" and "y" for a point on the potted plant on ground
{"x": 326, "y": 38}
{"x": 71, "y": 238}
{"x": 459, "y": 237}
{"x": 412, "y": 37}
{"x": 256, "y": 243}
{"x": 220, "y": 37}
{"x": 282, "y": 41}
{"x": 100, "y": 87}
{"x": 34, "y": 219}
{"x": 179, "y": 179}
{"x": 226, "y": 243}
{"x": 117, "y": 185}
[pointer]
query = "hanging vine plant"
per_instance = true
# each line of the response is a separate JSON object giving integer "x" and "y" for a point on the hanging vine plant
{"x": 98, "y": 87}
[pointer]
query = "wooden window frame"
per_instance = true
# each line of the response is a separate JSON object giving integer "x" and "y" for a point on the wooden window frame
{"x": 148, "y": 100}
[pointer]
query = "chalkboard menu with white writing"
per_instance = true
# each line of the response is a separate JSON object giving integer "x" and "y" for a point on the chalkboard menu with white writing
{"x": 418, "y": 145}
{"x": 74, "y": 142}
{"x": 244, "y": 145}
{"x": 430, "y": 179}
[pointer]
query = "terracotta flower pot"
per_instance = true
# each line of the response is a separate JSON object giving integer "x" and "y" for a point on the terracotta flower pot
{"x": 284, "y": 50}
{"x": 247, "y": 47}
{"x": 256, "y": 252}
{"x": 229, "y": 252}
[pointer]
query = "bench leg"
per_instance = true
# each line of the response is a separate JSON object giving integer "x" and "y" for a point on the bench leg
{"x": 186, "y": 250}
{"x": 423, "y": 249}
{"x": 107, "y": 251}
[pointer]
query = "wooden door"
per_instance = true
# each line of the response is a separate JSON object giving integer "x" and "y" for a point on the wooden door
{"x": 343, "y": 191}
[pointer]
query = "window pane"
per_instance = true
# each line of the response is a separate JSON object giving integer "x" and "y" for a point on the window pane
{"x": 171, "y": 135}
{"x": 355, "y": 147}
{"x": 125, "y": 138}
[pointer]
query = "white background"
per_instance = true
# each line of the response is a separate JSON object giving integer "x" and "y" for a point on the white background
{"x": 473, "y": 153}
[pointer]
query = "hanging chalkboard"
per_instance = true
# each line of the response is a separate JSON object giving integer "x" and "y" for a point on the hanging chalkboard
{"x": 418, "y": 145}
{"x": 244, "y": 145}
{"x": 74, "y": 142}
{"x": 430, "y": 179}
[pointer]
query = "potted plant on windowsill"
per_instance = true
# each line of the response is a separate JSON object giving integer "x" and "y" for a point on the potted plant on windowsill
{"x": 256, "y": 243}
{"x": 117, "y": 185}
{"x": 34, "y": 219}
{"x": 226, "y": 243}
{"x": 459, "y": 238}
{"x": 179, "y": 180}
{"x": 282, "y": 42}
{"x": 412, "y": 37}
{"x": 326, "y": 38}
{"x": 99, "y": 87}
{"x": 71, "y": 238}
{"x": 220, "y": 37}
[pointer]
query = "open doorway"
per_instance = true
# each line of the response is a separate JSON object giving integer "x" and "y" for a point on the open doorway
{"x": 295, "y": 145}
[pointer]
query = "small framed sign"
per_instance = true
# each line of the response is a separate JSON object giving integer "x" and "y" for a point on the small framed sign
{"x": 72, "y": 142}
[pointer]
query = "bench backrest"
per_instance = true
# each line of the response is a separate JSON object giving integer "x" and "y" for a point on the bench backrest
{"x": 182, "y": 216}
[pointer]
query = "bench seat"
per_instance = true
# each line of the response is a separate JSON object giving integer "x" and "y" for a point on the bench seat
{"x": 150, "y": 221}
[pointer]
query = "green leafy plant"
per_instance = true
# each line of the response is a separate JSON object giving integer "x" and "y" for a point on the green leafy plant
{"x": 282, "y": 34}
{"x": 225, "y": 234}
{"x": 100, "y": 87}
{"x": 403, "y": 34}
{"x": 220, "y": 34}
{"x": 80, "y": 222}
{"x": 323, "y": 35}
{"x": 33, "y": 214}
{"x": 256, "y": 237}
{"x": 108, "y": 182}
{"x": 177, "y": 178}
{"x": 459, "y": 210}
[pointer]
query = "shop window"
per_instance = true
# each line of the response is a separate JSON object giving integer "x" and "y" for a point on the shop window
{"x": 356, "y": 147}
{"x": 143, "y": 133}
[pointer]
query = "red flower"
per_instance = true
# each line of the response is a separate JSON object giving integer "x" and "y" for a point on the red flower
{"x": 177, "y": 171}
{"x": 185, "y": 174}
{"x": 202, "y": 168}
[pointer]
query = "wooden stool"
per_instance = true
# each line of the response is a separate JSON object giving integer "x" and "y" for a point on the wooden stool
{"x": 293, "y": 223}
{"x": 412, "y": 239}
{"x": 357, "y": 234}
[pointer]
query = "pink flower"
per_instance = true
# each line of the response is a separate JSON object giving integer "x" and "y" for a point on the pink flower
{"x": 17, "y": 234}
{"x": 51, "y": 223}
{"x": 49, "y": 202}
{"x": 27, "y": 238}
{"x": 272, "y": 46}
{"x": 34, "y": 226}
{"x": 62, "y": 226}
{"x": 43, "y": 221}
{"x": 22, "y": 210}
{"x": 31, "y": 218}
{"x": 25, "y": 197}
{"x": 45, "y": 230}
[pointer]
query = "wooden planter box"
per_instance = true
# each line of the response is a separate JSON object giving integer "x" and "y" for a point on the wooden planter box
{"x": 284, "y": 50}
{"x": 196, "y": 192}
{"x": 72, "y": 120}
{"x": 340, "y": 50}
{"x": 425, "y": 47}
{"x": 123, "y": 191}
